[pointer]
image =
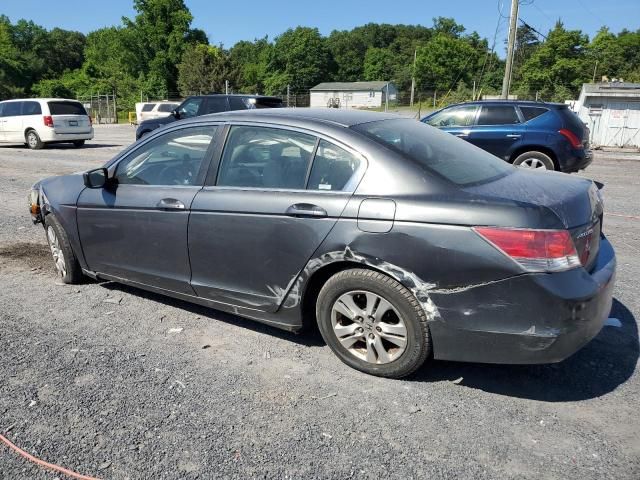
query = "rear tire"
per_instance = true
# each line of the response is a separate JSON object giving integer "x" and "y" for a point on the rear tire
{"x": 65, "y": 261}
{"x": 78, "y": 143}
{"x": 33, "y": 140}
{"x": 534, "y": 160}
{"x": 373, "y": 323}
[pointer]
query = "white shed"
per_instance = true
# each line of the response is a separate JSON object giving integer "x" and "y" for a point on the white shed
{"x": 611, "y": 110}
{"x": 352, "y": 94}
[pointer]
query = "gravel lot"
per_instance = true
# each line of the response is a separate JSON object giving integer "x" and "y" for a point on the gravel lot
{"x": 96, "y": 378}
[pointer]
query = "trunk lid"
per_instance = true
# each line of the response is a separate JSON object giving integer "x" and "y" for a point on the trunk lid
{"x": 575, "y": 201}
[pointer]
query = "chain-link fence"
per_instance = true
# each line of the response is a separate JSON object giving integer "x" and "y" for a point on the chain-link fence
{"x": 103, "y": 108}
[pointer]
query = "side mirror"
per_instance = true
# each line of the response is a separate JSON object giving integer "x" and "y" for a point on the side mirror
{"x": 175, "y": 114}
{"x": 96, "y": 178}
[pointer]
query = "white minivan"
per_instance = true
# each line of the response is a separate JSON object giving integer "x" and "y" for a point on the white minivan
{"x": 38, "y": 121}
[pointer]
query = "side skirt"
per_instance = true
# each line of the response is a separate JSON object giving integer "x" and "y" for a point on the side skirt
{"x": 268, "y": 318}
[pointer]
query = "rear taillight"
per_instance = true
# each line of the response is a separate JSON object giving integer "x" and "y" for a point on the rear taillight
{"x": 48, "y": 121}
{"x": 534, "y": 250}
{"x": 569, "y": 135}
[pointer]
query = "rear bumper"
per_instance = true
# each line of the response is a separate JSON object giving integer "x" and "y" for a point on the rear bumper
{"x": 49, "y": 135}
{"x": 578, "y": 160}
{"x": 528, "y": 319}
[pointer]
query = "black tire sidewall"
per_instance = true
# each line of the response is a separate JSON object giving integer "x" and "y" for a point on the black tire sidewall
{"x": 418, "y": 340}
{"x": 543, "y": 157}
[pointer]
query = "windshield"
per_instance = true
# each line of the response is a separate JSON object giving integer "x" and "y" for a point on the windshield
{"x": 437, "y": 151}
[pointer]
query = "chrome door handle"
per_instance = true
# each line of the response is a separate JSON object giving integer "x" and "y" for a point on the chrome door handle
{"x": 461, "y": 135}
{"x": 513, "y": 135}
{"x": 306, "y": 210}
{"x": 170, "y": 204}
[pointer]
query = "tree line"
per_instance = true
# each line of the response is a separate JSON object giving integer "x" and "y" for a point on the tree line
{"x": 158, "y": 54}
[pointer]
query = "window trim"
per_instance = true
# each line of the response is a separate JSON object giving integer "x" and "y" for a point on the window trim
{"x": 211, "y": 179}
{"x": 206, "y": 160}
{"x": 514, "y": 107}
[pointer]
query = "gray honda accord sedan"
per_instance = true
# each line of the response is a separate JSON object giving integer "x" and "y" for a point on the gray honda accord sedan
{"x": 400, "y": 241}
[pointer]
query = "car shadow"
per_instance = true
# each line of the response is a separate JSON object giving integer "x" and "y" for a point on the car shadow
{"x": 597, "y": 369}
{"x": 309, "y": 337}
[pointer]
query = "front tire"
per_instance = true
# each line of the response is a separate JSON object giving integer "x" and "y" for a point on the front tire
{"x": 33, "y": 140}
{"x": 373, "y": 323}
{"x": 65, "y": 261}
{"x": 534, "y": 160}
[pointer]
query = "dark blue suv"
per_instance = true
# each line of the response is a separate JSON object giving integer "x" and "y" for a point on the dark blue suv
{"x": 527, "y": 134}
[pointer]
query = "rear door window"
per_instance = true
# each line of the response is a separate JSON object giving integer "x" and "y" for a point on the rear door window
{"x": 166, "y": 107}
{"x": 332, "y": 168}
{"x": 31, "y": 108}
{"x": 215, "y": 105}
{"x": 462, "y": 116}
{"x": 12, "y": 109}
{"x": 66, "y": 108}
{"x": 238, "y": 103}
{"x": 498, "y": 115}
{"x": 529, "y": 113}
{"x": 262, "y": 157}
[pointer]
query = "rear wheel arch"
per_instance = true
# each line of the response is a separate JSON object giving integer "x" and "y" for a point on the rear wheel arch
{"x": 535, "y": 148}
{"x": 316, "y": 281}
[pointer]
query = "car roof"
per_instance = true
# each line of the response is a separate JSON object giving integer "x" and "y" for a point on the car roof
{"x": 241, "y": 95}
{"x": 338, "y": 117}
{"x": 526, "y": 103}
{"x": 42, "y": 100}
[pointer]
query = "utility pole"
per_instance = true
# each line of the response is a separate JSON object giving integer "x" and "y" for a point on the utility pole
{"x": 226, "y": 87}
{"x": 473, "y": 95}
{"x": 288, "y": 92}
{"x": 386, "y": 99}
{"x": 513, "y": 28}
{"x": 595, "y": 69}
{"x": 413, "y": 77}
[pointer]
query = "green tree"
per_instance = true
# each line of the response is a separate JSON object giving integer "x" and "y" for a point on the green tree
{"x": 445, "y": 61}
{"x": 379, "y": 64}
{"x": 160, "y": 33}
{"x": 300, "y": 59}
{"x": 203, "y": 69}
{"x": 249, "y": 63}
{"x": 348, "y": 49}
{"x": 558, "y": 67}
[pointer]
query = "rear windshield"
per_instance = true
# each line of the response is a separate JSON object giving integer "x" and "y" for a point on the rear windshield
{"x": 437, "y": 151}
{"x": 147, "y": 107}
{"x": 66, "y": 108}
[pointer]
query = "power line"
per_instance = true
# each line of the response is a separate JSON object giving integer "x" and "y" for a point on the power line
{"x": 531, "y": 28}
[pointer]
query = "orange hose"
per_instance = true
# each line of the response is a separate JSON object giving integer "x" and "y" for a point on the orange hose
{"x": 44, "y": 464}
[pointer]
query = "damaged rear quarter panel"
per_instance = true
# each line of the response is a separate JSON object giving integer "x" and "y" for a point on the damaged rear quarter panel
{"x": 422, "y": 257}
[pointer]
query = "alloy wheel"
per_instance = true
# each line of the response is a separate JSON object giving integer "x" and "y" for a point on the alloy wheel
{"x": 369, "y": 327}
{"x": 56, "y": 252}
{"x": 32, "y": 139}
{"x": 533, "y": 163}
